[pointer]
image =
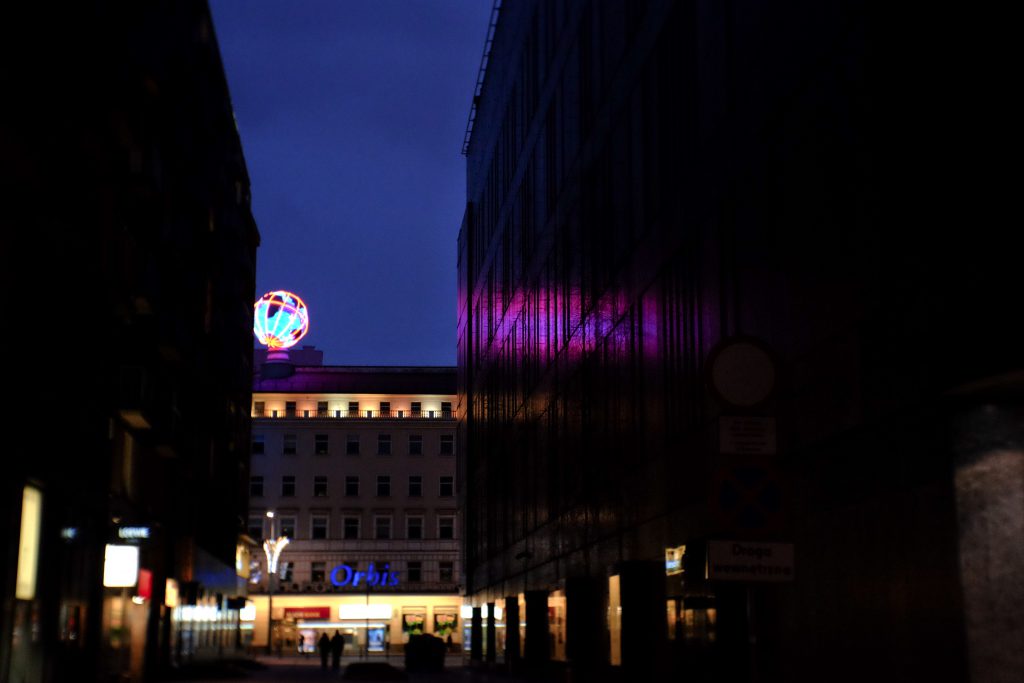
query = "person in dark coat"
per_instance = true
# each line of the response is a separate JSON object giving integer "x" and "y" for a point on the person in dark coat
{"x": 337, "y": 647}
{"x": 324, "y": 645}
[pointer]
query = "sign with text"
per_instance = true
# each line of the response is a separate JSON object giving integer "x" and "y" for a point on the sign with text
{"x": 307, "y": 612}
{"x": 750, "y": 561}
{"x": 745, "y": 435}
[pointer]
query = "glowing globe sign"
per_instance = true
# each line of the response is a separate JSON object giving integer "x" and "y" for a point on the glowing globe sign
{"x": 281, "y": 320}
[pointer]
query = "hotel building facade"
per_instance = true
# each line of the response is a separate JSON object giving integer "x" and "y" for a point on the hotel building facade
{"x": 357, "y": 466}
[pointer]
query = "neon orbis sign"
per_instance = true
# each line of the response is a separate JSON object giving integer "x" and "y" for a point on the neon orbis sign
{"x": 344, "y": 575}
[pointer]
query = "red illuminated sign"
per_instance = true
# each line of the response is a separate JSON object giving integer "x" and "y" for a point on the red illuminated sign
{"x": 307, "y": 612}
{"x": 145, "y": 589}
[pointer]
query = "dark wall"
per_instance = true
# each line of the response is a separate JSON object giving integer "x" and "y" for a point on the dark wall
{"x": 648, "y": 179}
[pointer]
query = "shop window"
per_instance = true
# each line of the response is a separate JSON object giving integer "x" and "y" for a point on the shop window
{"x": 446, "y": 527}
{"x": 352, "y": 444}
{"x": 415, "y": 444}
{"x": 289, "y": 444}
{"x": 318, "y": 527}
{"x": 351, "y": 485}
{"x": 415, "y": 486}
{"x": 320, "y": 486}
{"x": 317, "y": 572}
{"x": 382, "y": 527}
{"x": 383, "y": 485}
{"x": 258, "y": 444}
{"x": 383, "y": 444}
{"x": 446, "y": 572}
{"x": 414, "y": 528}
{"x": 447, "y": 444}
{"x": 413, "y": 572}
{"x": 320, "y": 444}
{"x": 351, "y": 528}
{"x": 446, "y": 487}
{"x": 287, "y": 486}
{"x": 256, "y": 487}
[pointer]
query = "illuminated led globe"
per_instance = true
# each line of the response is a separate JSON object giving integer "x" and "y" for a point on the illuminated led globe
{"x": 281, "y": 320}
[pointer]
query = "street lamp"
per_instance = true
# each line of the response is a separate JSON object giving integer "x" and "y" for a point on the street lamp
{"x": 272, "y": 547}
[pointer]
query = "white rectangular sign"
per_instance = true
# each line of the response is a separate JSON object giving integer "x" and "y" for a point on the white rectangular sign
{"x": 750, "y": 561}
{"x": 741, "y": 435}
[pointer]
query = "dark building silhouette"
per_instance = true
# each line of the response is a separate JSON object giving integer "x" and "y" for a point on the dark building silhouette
{"x": 129, "y": 253}
{"x": 730, "y": 406}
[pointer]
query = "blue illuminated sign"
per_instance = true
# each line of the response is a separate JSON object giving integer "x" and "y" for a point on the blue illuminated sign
{"x": 344, "y": 575}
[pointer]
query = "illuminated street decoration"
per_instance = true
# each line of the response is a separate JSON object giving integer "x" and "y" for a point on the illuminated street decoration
{"x": 273, "y": 550}
{"x": 281, "y": 319}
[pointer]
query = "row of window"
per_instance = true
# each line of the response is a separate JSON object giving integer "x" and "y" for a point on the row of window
{"x": 412, "y": 570}
{"x": 445, "y": 486}
{"x": 259, "y": 409}
{"x": 321, "y": 444}
{"x": 351, "y": 527}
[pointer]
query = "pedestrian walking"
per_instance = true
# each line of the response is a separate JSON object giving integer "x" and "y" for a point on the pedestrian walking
{"x": 337, "y": 648}
{"x": 302, "y": 642}
{"x": 324, "y": 645}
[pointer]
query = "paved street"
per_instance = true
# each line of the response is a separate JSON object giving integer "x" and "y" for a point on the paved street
{"x": 290, "y": 669}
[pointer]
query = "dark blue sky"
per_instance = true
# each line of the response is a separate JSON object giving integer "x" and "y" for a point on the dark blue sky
{"x": 352, "y": 115}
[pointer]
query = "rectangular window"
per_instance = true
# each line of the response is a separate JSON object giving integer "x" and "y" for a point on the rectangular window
{"x": 287, "y": 526}
{"x": 446, "y": 487}
{"x": 415, "y": 444}
{"x": 385, "y": 409}
{"x": 351, "y": 528}
{"x": 318, "y": 527}
{"x": 415, "y": 486}
{"x": 351, "y": 485}
{"x": 446, "y": 572}
{"x": 255, "y": 528}
{"x": 256, "y": 487}
{"x": 383, "y": 444}
{"x": 352, "y": 444}
{"x": 321, "y": 409}
{"x": 317, "y": 572}
{"x": 320, "y": 444}
{"x": 289, "y": 409}
{"x": 416, "y": 408}
{"x": 320, "y": 486}
{"x": 384, "y": 485}
{"x": 446, "y": 409}
{"x": 446, "y": 527}
{"x": 353, "y": 408}
{"x": 414, "y": 528}
{"x": 447, "y": 444}
{"x": 258, "y": 444}
{"x": 413, "y": 572}
{"x": 259, "y": 408}
{"x": 382, "y": 527}
{"x": 289, "y": 444}
{"x": 288, "y": 485}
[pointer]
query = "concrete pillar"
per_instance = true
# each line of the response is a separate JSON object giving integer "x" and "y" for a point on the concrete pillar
{"x": 537, "y": 650}
{"x": 586, "y": 624}
{"x": 643, "y": 617}
{"x": 512, "y": 632}
{"x": 476, "y": 636}
{"x": 492, "y": 631}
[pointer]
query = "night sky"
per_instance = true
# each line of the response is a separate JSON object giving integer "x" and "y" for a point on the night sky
{"x": 352, "y": 115}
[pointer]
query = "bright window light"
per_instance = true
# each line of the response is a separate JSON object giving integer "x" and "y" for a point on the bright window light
{"x": 120, "y": 566}
{"x": 28, "y": 544}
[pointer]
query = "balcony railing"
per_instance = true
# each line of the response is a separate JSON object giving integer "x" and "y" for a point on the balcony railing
{"x": 355, "y": 415}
